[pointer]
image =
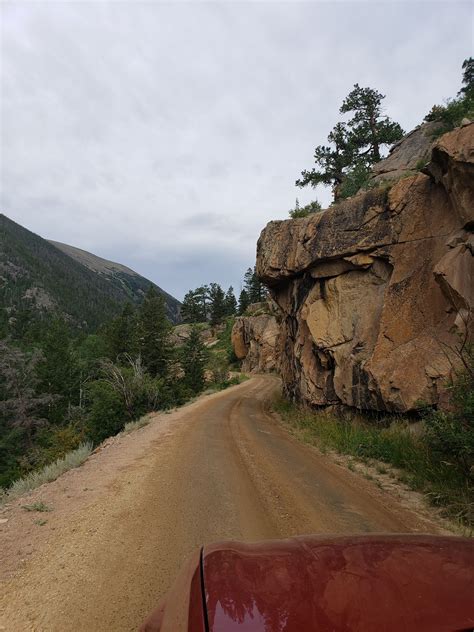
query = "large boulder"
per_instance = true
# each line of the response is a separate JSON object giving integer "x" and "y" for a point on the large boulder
{"x": 375, "y": 291}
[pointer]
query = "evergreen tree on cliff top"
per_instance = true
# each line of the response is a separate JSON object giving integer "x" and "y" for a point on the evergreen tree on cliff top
{"x": 353, "y": 146}
{"x": 332, "y": 159}
{"x": 369, "y": 130}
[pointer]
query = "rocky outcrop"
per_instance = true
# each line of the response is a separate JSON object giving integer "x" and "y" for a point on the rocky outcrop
{"x": 255, "y": 338}
{"x": 408, "y": 155}
{"x": 180, "y": 334}
{"x": 374, "y": 291}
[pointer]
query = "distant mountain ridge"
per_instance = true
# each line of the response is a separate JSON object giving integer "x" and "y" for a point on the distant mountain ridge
{"x": 38, "y": 277}
{"x": 93, "y": 262}
{"x": 132, "y": 283}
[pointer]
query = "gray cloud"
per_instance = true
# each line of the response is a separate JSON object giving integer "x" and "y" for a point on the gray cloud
{"x": 165, "y": 136}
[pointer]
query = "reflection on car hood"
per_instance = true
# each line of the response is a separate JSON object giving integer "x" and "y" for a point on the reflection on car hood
{"x": 350, "y": 584}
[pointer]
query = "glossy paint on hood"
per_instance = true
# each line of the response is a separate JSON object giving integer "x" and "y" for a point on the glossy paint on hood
{"x": 344, "y": 584}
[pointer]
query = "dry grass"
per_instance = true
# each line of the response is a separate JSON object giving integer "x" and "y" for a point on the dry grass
{"x": 38, "y": 506}
{"x": 46, "y": 474}
{"x": 135, "y": 425}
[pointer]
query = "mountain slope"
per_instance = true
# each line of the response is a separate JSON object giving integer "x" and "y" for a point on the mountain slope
{"x": 125, "y": 279}
{"x": 38, "y": 278}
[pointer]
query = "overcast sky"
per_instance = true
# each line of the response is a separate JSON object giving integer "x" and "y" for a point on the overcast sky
{"x": 165, "y": 135}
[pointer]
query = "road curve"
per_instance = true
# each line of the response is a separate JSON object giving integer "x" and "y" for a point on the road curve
{"x": 121, "y": 525}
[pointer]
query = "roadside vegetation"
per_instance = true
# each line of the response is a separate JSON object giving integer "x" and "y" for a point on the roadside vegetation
{"x": 46, "y": 474}
{"x": 63, "y": 392}
{"x": 436, "y": 459}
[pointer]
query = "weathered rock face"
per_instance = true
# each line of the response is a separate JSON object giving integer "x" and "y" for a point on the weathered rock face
{"x": 406, "y": 156}
{"x": 374, "y": 291}
{"x": 255, "y": 338}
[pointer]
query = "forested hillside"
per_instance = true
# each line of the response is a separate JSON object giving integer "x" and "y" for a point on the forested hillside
{"x": 131, "y": 284}
{"x": 38, "y": 279}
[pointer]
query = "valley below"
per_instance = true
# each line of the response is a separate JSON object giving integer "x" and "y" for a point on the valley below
{"x": 117, "y": 529}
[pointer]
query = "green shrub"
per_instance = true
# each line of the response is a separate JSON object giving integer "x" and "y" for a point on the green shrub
{"x": 450, "y": 434}
{"x": 56, "y": 441}
{"x": 107, "y": 414}
{"x": 451, "y": 114}
{"x": 304, "y": 211}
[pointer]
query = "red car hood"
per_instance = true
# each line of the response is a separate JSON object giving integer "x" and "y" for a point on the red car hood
{"x": 350, "y": 584}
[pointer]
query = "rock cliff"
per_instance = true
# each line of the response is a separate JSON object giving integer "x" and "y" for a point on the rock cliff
{"x": 255, "y": 338}
{"x": 374, "y": 291}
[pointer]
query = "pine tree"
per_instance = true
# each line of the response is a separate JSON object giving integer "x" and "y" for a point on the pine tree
{"x": 248, "y": 283}
{"x": 122, "y": 333}
{"x": 468, "y": 78}
{"x": 353, "y": 146}
{"x": 253, "y": 287}
{"x": 202, "y": 297}
{"x": 58, "y": 372}
{"x": 333, "y": 161}
{"x": 244, "y": 302}
{"x": 193, "y": 361}
{"x": 217, "y": 303}
{"x": 369, "y": 129}
{"x": 230, "y": 302}
{"x": 154, "y": 329}
{"x": 193, "y": 309}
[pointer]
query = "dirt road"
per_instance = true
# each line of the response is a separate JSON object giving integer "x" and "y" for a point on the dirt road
{"x": 122, "y": 524}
